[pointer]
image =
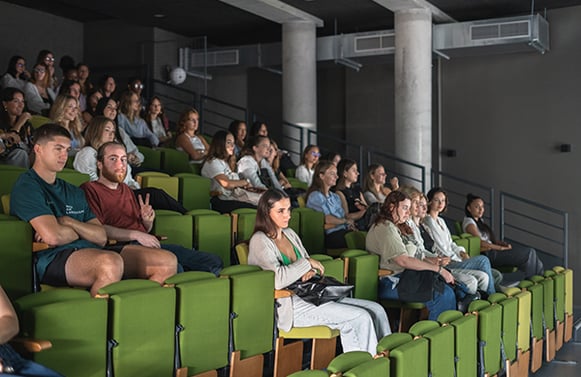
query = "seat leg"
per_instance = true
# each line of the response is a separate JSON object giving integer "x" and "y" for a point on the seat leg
{"x": 550, "y": 345}
{"x": 568, "y": 327}
{"x": 250, "y": 367}
{"x": 523, "y": 359}
{"x": 537, "y": 354}
{"x": 288, "y": 358}
{"x": 322, "y": 352}
{"x": 560, "y": 335}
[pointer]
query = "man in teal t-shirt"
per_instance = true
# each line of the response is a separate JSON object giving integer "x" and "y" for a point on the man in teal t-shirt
{"x": 61, "y": 217}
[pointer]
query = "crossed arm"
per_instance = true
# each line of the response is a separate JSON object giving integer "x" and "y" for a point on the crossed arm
{"x": 63, "y": 230}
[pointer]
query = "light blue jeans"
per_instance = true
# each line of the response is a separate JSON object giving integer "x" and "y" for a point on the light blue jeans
{"x": 480, "y": 263}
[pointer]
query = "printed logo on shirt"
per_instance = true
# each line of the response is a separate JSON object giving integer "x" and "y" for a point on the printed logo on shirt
{"x": 69, "y": 210}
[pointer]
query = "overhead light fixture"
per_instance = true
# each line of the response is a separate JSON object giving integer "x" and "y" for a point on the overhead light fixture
{"x": 159, "y": 15}
{"x": 349, "y": 63}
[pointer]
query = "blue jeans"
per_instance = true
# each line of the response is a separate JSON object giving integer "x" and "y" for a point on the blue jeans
{"x": 194, "y": 260}
{"x": 32, "y": 369}
{"x": 480, "y": 263}
{"x": 438, "y": 304}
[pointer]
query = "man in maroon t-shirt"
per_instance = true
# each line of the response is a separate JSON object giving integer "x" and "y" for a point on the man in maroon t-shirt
{"x": 129, "y": 220}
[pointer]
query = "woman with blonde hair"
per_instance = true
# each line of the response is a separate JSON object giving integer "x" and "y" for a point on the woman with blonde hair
{"x": 65, "y": 112}
{"x": 188, "y": 140}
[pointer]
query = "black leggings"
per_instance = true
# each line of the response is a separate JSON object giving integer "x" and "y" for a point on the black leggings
{"x": 523, "y": 257}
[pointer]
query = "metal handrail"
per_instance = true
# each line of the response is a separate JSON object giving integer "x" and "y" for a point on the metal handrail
{"x": 563, "y": 242}
{"x": 336, "y": 139}
{"x": 205, "y": 111}
{"x": 489, "y": 201}
{"x": 421, "y": 181}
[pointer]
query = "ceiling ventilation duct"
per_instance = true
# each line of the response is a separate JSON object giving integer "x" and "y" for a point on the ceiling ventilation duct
{"x": 502, "y": 35}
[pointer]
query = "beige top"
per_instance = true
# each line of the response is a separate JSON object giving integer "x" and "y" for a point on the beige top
{"x": 385, "y": 240}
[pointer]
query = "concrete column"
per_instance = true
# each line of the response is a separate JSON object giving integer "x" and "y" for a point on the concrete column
{"x": 299, "y": 79}
{"x": 413, "y": 89}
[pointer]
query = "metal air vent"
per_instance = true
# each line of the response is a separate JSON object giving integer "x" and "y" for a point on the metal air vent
{"x": 374, "y": 42}
{"x": 215, "y": 58}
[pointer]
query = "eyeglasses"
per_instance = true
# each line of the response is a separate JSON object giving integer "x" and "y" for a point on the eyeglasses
{"x": 138, "y": 86}
{"x": 20, "y": 64}
{"x": 39, "y": 70}
{"x": 49, "y": 59}
{"x": 315, "y": 154}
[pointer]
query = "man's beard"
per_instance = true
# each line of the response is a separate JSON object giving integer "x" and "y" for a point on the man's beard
{"x": 114, "y": 177}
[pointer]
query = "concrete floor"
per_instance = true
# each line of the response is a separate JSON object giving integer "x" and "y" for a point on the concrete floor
{"x": 567, "y": 363}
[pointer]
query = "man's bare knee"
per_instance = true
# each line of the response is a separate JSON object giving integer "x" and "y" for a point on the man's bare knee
{"x": 109, "y": 266}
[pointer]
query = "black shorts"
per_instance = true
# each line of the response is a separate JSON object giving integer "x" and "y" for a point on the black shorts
{"x": 55, "y": 273}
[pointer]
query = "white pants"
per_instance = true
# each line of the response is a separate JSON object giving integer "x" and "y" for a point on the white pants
{"x": 474, "y": 279}
{"x": 360, "y": 322}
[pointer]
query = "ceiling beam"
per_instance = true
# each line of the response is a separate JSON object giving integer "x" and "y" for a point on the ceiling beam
{"x": 394, "y": 5}
{"x": 274, "y": 10}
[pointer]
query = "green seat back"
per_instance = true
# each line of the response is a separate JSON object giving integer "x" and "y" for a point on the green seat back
{"x": 309, "y": 373}
{"x": 212, "y": 233}
{"x": 410, "y": 359}
{"x": 489, "y": 334}
{"x": 8, "y": 176}
{"x": 151, "y": 158}
{"x": 16, "y": 266}
{"x": 74, "y": 323}
{"x": 548, "y": 302}
{"x": 333, "y": 267}
{"x": 142, "y": 322}
{"x": 296, "y": 183}
{"x": 509, "y": 322}
{"x": 559, "y": 294}
{"x": 174, "y": 161}
{"x": 295, "y": 222}
{"x": 363, "y": 269}
{"x": 466, "y": 340}
{"x": 536, "y": 310}
{"x": 348, "y": 360}
{"x": 441, "y": 356}
{"x": 177, "y": 228}
{"x": 38, "y": 120}
{"x": 371, "y": 368}
{"x": 194, "y": 191}
{"x": 203, "y": 307}
{"x": 393, "y": 340}
{"x": 473, "y": 244}
{"x": 312, "y": 231}
{"x": 73, "y": 177}
{"x": 245, "y": 226}
{"x": 356, "y": 239}
{"x": 463, "y": 242}
{"x": 252, "y": 305}
{"x": 168, "y": 184}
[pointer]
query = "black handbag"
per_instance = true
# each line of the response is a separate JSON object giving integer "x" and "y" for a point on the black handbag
{"x": 419, "y": 285}
{"x": 321, "y": 289}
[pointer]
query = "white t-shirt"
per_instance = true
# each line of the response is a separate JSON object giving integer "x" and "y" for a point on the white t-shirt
{"x": 469, "y": 220}
{"x": 214, "y": 167}
{"x": 304, "y": 174}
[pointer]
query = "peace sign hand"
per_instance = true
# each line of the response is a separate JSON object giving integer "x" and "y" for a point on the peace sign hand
{"x": 147, "y": 212}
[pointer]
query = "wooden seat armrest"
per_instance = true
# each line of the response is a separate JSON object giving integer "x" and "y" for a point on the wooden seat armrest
{"x": 30, "y": 345}
{"x": 383, "y": 272}
{"x": 282, "y": 293}
{"x": 39, "y": 246}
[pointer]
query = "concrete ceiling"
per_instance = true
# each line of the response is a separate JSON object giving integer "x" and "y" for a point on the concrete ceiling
{"x": 225, "y": 25}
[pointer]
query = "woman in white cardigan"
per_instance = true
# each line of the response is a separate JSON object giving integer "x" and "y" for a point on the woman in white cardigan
{"x": 277, "y": 248}
{"x": 254, "y": 165}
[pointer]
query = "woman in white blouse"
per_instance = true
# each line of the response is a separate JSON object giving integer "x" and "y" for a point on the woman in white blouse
{"x": 306, "y": 170}
{"x": 188, "y": 139}
{"x": 254, "y": 165}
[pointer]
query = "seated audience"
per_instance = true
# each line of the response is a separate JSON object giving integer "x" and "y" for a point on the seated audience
{"x": 334, "y": 157}
{"x": 38, "y": 92}
{"x": 129, "y": 119}
{"x": 100, "y": 131}
{"x": 322, "y": 199}
{"x": 499, "y": 252}
{"x": 65, "y": 112}
{"x": 274, "y": 159}
{"x": 349, "y": 192}
{"x": 107, "y": 86}
{"x": 276, "y": 247}
{"x": 258, "y": 128}
{"x": 108, "y": 107}
{"x": 15, "y": 129}
{"x": 225, "y": 182}
{"x": 254, "y": 166}
{"x": 157, "y": 121}
{"x": 16, "y": 74}
{"x": 136, "y": 86}
{"x": 128, "y": 219}
{"x": 305, "y": 171}
{"x": 47, "y": 57}
{"x": 385, "y": 239}
{"x": 474, "y": 272}
{"x": 374, "y": 184}
{"x": 11, "y": 363}
{"x": 92, "y": 100}
{"x": 238, "y": 129}
{"x": 60, "y": 216}
{"x": 188, "y": 139}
